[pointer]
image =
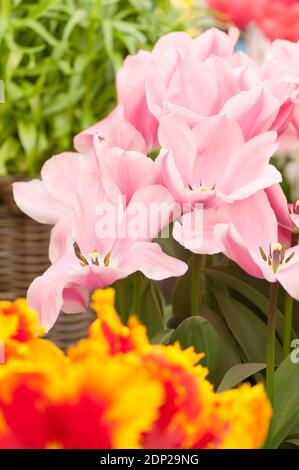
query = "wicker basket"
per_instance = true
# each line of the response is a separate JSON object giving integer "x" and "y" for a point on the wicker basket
{"x": 24, "y": 256}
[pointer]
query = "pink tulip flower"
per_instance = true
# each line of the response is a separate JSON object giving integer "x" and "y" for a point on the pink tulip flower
{"x": 253, "y": 243}
{"x": 211, "y": 163}
{"x": 205, "y": 242}
{"x": 248, "y": 233}
{"x": 203, "y": 77}
{"x": 193, "y": 78}
{"x": 50, "y": 199}
{"x": 90, "y": 258}
{"x": 132, "y": 77}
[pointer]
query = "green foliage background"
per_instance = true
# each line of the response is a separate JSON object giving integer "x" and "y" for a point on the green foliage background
{"x": 58, "y": 60}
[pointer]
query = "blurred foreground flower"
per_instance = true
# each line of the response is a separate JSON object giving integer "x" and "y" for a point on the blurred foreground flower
{"x": 116, "y": 390}
{"x": 19, "y": 326}
{"x": 17, "y": 321}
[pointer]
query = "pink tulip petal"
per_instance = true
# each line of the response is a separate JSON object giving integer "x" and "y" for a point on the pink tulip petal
{"x": 177, "y": 40}
{"x": 254, "y": 211}
{"x": 279, "y": 204}
{"x": 196, "y": 231}
{"x": 170, "y": 175}
{"x": 247, "y": 77}
{"x": 178, "y": 82}
{"x": 34, "y": 200}
{"x": 255, "y": 221}
{"x": 215, "y": 42}
{"x": 75, "y": 299}
{"x": 227, "y": 83}
{"x": 149, "y": 211}
{"x": 190, "y": 78}
{"x": 175, "y": 135}
{"x": 65, "y": 286}
{"x": 218, "y": 138}
{"x": 61, "y": 175}
{"x": 104, "y": 208}
{"x": 252, "y": 226}
{"x": 255, "y": 110}
{"x": 131, "y": 94}
{"x": 190, "y": 117}
{"x": 131, "y": 75}
{"x": 267, "y": 177}
{"x": 172, "y": 180}
{"x": 249, "y": 167}
{"x": 45, "y": 294}
{"x": 234, "y": 248}
{"x": 157, "y": 80}
{"x": 152, "y": 262}
{"x": 61, "y": 238}
{"x": 288, "y": 275}
{"x": 83, "y": 142}
{"x": 129, "y": 170}
{"x": 122, "y": 135}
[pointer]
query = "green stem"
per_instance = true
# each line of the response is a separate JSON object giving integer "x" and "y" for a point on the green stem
{"x": 137, "y": 294}
{"x": 208, "y": 261}
{"x": 195, "y": 285}
{"x": 122, "y": 302}
{"x": 287, "y": 324}
{"x": 273, "y": 293}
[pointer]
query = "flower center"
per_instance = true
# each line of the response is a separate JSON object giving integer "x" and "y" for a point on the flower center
{"x": 276, "y": 256}
{"x": 93, "y": 258}
{"x": 203, "y": 187}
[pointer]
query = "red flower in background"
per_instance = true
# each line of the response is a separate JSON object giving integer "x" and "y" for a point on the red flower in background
{"x": 278, "y": 19}
{"x": 239, "y": 12}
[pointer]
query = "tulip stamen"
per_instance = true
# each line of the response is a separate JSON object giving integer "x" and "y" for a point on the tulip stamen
{"x": 263, "y": 254}
{"x": 83, "y": 261}
{"x": 290, "y": 257}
